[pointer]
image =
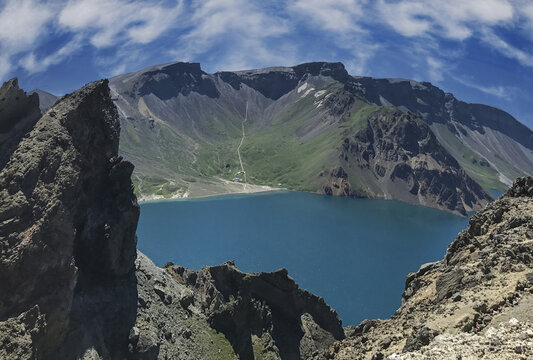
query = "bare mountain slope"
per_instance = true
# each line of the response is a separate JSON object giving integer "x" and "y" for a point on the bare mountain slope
{"x": 181, "y": 127}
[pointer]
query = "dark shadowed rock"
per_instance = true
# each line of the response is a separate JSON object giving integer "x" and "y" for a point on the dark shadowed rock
{"x": 410, "y": 164}
{"x": 265, "y": 308}
{"x": 18, "y": 113}
{"x": 68, "y": 218}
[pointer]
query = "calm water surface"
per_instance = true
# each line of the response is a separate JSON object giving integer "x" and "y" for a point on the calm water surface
{"x": 355, "y": 253}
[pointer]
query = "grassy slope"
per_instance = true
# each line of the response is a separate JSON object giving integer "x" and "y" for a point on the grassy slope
{"x": 276, "y": 157}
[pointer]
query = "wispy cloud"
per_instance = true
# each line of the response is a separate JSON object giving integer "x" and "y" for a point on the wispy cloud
{"x": 100, "y": 23}
{"x": 453, "y": 19}
{"x": 340, "y": 16}
{"x": 502, "y": 92}
{"x": 33, "y": 65}
{"x": 22, "y": 23}
{"x": 506, "y": 49}
{"x": 108, "y": 22}
{"x": 241, "y": 32}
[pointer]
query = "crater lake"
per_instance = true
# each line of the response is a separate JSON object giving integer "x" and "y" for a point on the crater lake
{"x": 355, "y": 253}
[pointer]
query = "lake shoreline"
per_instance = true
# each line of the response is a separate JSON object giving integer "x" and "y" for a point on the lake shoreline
{"x": 315, "y": 237}
{"x": 147, "y": 200}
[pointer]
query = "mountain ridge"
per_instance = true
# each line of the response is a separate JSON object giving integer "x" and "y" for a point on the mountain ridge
{"x": 182, "y": 126}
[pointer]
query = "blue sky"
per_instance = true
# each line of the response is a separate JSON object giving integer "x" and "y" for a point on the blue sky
{"x": 480, "y": 50}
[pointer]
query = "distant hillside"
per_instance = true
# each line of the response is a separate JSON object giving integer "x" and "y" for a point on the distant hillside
{"x": 313, "y": 127}
{"x": 46, "y": 100}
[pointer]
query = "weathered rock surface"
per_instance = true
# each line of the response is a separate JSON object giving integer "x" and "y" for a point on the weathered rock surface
{"x": 405, "y": 160}
{"x": 484, "y": 280}
{"x": 508, "y": 340}
{"x": 68, "y": 218}
{"x": 265, "y": 311}
{"x": 222, "y": 313}
{"x": 337, "y": 184}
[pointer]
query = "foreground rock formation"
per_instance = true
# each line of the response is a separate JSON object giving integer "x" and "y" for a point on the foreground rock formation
{"x": 68, "y": 218}
{"x": 486, "y": 279}
{"x": 222, "y": 313}
{"x": 71, "y": 283}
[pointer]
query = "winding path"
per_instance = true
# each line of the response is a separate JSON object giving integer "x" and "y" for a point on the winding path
{"x": 239, "y": 147}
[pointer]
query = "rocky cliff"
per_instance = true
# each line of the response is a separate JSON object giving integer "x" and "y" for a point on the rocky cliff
{"x": 68, "y": 218}
{"x": 399, "y": 154}
{"x": 73, "y": 287}
{"x": 475, "y": 303}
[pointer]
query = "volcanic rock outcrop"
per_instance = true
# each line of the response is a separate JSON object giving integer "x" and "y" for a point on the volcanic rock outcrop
{"x": 399, "y": 153}
{"x": 485, "y": 279}
{"x": 68, "y": 218}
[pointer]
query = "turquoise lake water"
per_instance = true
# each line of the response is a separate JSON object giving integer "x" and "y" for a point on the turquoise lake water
{"x": 355, "y": 253}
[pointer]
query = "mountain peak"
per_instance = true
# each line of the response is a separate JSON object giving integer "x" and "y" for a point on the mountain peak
{"x": 181, "y": 68}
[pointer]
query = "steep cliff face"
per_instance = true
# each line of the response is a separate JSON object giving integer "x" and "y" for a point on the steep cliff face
{"x": 397, "y": 154}
{"x": 485, "y": 279}
{"x": 474, "y": 134}
{"x": 68, "y": 218}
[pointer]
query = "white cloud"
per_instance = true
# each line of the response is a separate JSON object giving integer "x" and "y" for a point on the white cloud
{"x": 241, "y": 31}
{"x": 22, "y": 22}
{"x": 506, "y": 49}
{"x": 31, "y": 64}
{"x": 436, "y": 69}
{"x": 343, "y": 21}
{"x": 109, "y": 22}
{"x": 340, "y": 16}
{"x": 453, "y": 19}
{"x": 5, "y": 66}
{"x": 212, "y": 19}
